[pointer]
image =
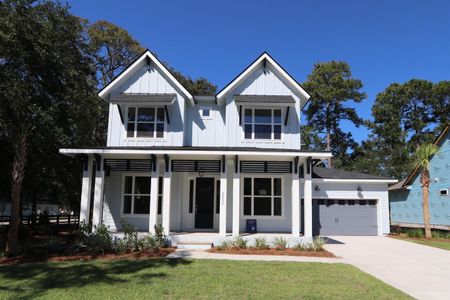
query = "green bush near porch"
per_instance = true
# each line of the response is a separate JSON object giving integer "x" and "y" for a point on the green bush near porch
{"x": 189, "y": 279}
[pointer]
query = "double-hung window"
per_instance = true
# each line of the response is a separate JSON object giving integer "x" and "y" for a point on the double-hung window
{"x": 146, "y": 122}
{"x": 262, "y": 124}
{"x": 136, "y": 195}
{"x": 263, "y": 196}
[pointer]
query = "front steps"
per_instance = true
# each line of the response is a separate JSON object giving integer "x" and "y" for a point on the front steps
{"x": 194, "y": 246}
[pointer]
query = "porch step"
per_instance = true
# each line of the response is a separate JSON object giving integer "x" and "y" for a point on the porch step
{"x": 193, "y": 245}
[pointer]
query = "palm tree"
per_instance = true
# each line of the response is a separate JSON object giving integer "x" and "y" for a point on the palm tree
{"x": 422, "y": 160}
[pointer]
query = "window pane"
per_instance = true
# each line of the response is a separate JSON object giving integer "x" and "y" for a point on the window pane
{"x": 128, "y": 184}
{"x": 263, "y": 116}
{"x": 263, "y": 131}
{"x": 277, "y": 186}
{"x": 160, "y": 185}
{"x": 145, "y": 129}
{"x": 141, "y": 204}
{"x": 277, "y": 132}
{"x": 146, "y": 114}
{"x": 262, "y": 187}
{"x": 160, "y": 115}
{"x": 142, "y": 185}
{"x": 247, "y": 206}
{"x": 262, "y": 206}
{"x": 277, "y": 206}
{"x": 131, "y": 113}
{"x": 127, "y": 204}
{"x": 130, "y": 130}
{"x": 205, "y": 112}
{"x": 159, "y": 205}
{"x": 248, "y": 116}
{"x": 247, "y": 186}
{"x": 159, "y": 130}
{"x": 277, "y": 116}
{"x": 248, "y": 131}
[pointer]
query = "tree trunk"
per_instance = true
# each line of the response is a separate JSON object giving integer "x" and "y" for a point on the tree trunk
{"x": 17, "y": 175}
{"x": 426, "y": 208}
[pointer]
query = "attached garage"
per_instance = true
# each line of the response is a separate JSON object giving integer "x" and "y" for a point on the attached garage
{"x": 345, "y": 217}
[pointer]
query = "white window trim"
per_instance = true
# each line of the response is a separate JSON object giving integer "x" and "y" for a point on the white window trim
{"x": 271, "y": 140}
{"x": 283, "y": 197}
{"x": 123, "y": 194}
{"x": 135, "y": 137}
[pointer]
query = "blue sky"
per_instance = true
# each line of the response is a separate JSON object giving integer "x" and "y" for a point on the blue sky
{"x": 383, "y": 41}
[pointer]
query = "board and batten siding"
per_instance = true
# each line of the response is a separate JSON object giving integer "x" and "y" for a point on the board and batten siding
{"x": 205, "y": 131}
{"x": 146, "y": 80}
{"x": 263, "y": 83}
{"x": 349, "y": 191}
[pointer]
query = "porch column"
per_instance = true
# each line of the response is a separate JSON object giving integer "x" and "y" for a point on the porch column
{"x": 236, "y": 197}
{"x": 98, "y": 192}
{"x": 86, "y": 184}
{"x": 307, "y": 198}
{"x": 166, "y": 196}
{"x": 223, "y": 201}
{"x": 154, "y": 191}
{"x": 295, "y": 194}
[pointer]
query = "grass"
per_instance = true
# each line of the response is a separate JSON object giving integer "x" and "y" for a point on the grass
{"x": 189, "y": 279}
{"x": 433, "y": 243}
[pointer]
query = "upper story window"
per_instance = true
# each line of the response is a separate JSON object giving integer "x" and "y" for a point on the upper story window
{"x": 206, "y": 112}
{"x": 262, "y": 124}
{"x": 146, "y": 122}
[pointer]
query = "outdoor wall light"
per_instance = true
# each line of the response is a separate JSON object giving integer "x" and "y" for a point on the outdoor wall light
{"x": 359, "y": 189}
{"x": 316, "y": 188}
{"x": 201, "y": 173}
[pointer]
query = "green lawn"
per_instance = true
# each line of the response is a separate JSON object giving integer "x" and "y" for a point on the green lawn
{"x": 433, "y": 243}
{"x": 189, "y": 279}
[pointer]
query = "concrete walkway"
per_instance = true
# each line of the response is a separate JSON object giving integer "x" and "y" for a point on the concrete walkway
{"x": 420, "y": 271}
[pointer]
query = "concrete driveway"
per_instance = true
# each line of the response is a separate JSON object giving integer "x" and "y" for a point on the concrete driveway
{"x": 420, "y": 271}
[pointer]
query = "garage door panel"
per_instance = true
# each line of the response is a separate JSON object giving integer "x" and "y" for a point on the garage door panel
{"x": 345, "y": 217}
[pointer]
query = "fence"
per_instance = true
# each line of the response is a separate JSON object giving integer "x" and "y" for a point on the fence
{"x": 63, "y": 219}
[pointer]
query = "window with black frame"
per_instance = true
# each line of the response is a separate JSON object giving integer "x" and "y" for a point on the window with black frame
{"x": 145, "y": 122}
{"x": 136, "y": 195}
{"x": 263, "y": 196}
{"x": 262, "y": 124}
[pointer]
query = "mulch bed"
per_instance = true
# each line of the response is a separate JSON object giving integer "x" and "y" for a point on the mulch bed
{"x": 287, "y": 252}
{"x": 86, "y": 256}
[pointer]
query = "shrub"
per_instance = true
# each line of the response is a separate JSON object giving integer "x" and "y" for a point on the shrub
{"x": 100, "y": 241}
{"x": 261, "y": 243}
{"x": 395, "y": 229}
{"x": 120, "y": 246}
{"x": 239, "y": 243}
{"x": 149, "y": 243}
{"x": 318, "y": 243}
{"x": 280, "y": 243}
{"x": 131, "y": 236}
{"x": 160, "y": 237}
{"x": 44, "y": 218}
{"x": 415, "y": 233}
{"x": 225, "y": 244}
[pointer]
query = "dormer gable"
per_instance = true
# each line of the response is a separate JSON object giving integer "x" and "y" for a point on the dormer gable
{"x": 264, "y": 69}
{"x": 146, "y": 75}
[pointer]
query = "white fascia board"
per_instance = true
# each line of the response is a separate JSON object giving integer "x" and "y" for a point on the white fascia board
{"x": 124, "y": 75}
{"x": 252, "y": 67}
{"x": 72, "y": 152}
{"x": 354, "y": 180}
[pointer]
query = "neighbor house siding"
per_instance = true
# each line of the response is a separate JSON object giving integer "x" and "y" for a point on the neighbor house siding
{"x": 406, "y": 204}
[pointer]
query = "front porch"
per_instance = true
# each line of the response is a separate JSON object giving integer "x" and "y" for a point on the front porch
{"x": 208, "y": 192}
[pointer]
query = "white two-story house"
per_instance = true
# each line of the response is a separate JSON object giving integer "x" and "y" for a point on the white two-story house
{"x": 212, "y": 163}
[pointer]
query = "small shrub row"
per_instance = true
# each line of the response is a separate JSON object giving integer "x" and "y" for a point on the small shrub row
{"x": 100, "y": 241}
{"x": 279, "y": 243}
{"x": 420, "y": 232}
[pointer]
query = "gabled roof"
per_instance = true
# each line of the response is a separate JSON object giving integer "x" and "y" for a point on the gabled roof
{"x": 330, "y": 173}
{"x": 437, "y": 142}
{"x": 139, "y": 62}
{"x": 264, "y": 57}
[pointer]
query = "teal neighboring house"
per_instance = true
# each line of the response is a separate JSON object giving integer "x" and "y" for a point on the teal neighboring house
{"x": 405, "y": 197}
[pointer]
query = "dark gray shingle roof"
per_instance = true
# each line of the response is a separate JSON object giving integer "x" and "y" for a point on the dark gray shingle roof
{"x": 264, "y": 99}
{"x": 326, "y": 173}
{"x": 166, "y": 99}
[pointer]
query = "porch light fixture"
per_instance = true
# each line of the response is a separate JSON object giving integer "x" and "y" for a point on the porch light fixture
{"x": 201, "y": 173}
{"x": 359, "y": 189}
{"x": 316, "y": 188}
